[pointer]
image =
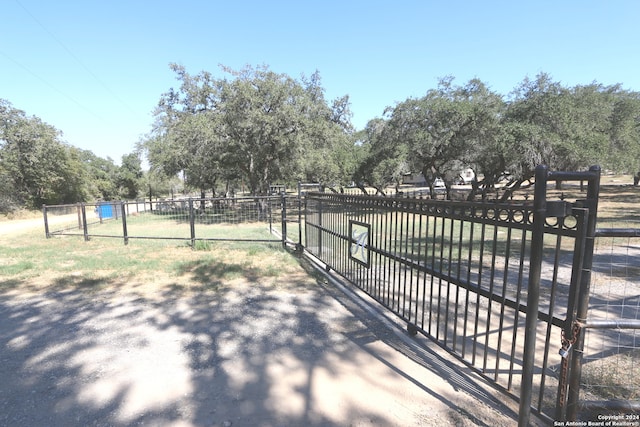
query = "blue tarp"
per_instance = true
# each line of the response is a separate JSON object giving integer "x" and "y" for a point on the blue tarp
{"x": 105, "y": 211}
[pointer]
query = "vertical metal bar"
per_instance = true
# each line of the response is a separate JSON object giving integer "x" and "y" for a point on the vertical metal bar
{"x": 267, "y": 205}
{"x": 388, "y": 248}
{"x": 397, "y": 248}
{"x": 483, "y": 230}
{"x": 335, "y": 219}
{"x": 439, "y": 305}
{"x": 341, "y": 225}
{"x": 46, "y": 221}
{"x": 192, "y": 225}
{"x": 418, "y": 259}
{"x": 284, "y": 220}
{"x": 368, "y": 219}
{"x": 84, "y": 222}
{"x": 533, "y": 294}
{"x": 426, "y": 260}
{"x": 123, "y": 206}
{"x": 593, "y": 192}
{"x": 516, "y": 316}
{"x": 405, "y": 268}
{"x": 494, "y": 249}
{"x": 458, "y": 274}
{"x": 448, "y": 298}
{"x": 505, "y": 280}
{"x": 552, "y": 300}
{"x": 467, "y": 291}
{"x": 433, "y": 267}
{"x": 300, "y": 244}
{"x": 320, "y": 220}
{"x": 374, "y": 256}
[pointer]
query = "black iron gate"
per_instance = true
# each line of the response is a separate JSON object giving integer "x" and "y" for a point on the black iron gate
{"x": 501, "y": 286}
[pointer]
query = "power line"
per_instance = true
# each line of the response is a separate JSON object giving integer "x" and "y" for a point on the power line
{"x": 51, "y": 86}
{"x": 104, "y": 86}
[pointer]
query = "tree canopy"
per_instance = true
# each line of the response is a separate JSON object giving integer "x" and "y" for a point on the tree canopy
{"x": 254, "y": 127}
{"x": 37, "y": 167}
{"x": 454, "y": 127}
{"x": 257, "y": 127}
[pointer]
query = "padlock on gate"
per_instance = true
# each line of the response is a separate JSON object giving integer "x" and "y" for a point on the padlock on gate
{"x": 564, "y": 350}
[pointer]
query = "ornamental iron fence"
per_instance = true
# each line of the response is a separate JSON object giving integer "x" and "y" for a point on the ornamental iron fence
{"x": 502, "y": 286}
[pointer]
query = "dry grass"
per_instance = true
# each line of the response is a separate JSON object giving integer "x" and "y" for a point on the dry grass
{"x": 29, "y": 264}
{"x": 608, "y": 377}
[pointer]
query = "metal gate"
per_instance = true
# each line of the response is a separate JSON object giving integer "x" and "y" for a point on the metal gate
{"x": 502, "y": 286}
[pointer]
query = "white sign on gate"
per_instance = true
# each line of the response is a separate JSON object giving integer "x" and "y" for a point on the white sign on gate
{"x": 359, "y": 233}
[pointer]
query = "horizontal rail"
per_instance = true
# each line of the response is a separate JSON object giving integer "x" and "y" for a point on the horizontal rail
{"x": 613, "y": 324}
{"x": 618, "y": 232}
{"x": 628, "y": 406}
{"x": 573, "y": 176}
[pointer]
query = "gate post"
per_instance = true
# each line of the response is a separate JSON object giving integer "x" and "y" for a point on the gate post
{"x": 575, "y": 373}
{"x": 568, "y": 332}
{"x": 533, "y": 294}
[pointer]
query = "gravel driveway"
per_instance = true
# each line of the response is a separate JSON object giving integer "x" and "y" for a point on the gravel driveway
{"x": 240, "y": 355}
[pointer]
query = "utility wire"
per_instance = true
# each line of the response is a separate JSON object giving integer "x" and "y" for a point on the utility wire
{"x": 47, "y": 83}
{"x": 116, "y": 97}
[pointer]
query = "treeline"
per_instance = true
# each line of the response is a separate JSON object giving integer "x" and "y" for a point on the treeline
{"x": 256, "y": 127}
{"x": 454, "y": 127}
{"x": 37, "y": 168}
{"x": 260, "y": 127}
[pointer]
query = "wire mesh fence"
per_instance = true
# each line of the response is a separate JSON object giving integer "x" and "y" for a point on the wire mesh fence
{"x": 611, "y": 361}
{"x": 255, "y": 219}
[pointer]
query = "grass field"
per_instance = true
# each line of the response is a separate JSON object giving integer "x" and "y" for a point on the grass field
{"x": 29, "y": 262}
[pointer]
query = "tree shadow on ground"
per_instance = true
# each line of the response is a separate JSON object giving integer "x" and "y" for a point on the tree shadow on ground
{"x": 287, "y": 354}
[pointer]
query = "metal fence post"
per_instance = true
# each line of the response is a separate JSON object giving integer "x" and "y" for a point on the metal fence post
{"x": 320, "y": 251}
{"x": 284, "y": 220}
{"x": 123, "y": 207}
{"x": 299, "y": 245}
{"x": 192, "y": 224}
{"x": 79, "y": 210}
{"x": 84, "y": 222}
{"x": 46, "y": 222}
{"x": 533, "y": 294}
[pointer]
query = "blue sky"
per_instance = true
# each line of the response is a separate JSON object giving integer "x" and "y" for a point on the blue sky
{"x": 96, "y": 69}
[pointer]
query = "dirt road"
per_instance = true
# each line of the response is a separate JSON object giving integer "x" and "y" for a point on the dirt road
{"x": 302, "y": 353}
{"x": 20, "y": 225}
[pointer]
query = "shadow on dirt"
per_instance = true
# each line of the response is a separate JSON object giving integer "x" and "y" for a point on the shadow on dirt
{"x": 247, "y": 354}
